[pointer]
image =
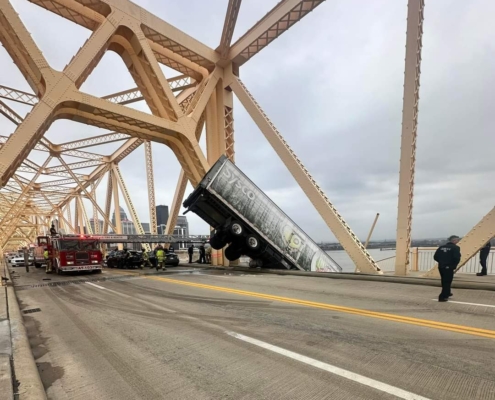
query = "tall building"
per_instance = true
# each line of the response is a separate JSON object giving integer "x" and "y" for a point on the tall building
{"x": 127, "y": 225}
{"x": 146, "y": 227}
{"x": 161, "y": 215}
{"x": 128, "y": 228}
{"x": 123, "y": 216}
{"x": 182, "y": 229}
{"x": 183, "y": 225}
{"x": 100, "y": 225}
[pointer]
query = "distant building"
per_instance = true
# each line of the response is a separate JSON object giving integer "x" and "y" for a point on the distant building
{"x": 93, "y": 225}
{"x": 128, "y": 228}
{"x": 182, "y": 226}
{"x": 162, "y": 215}
{"x": 161, "y": 229}
{"x": 146, "y": 227}
{"x": 123, "y": 216}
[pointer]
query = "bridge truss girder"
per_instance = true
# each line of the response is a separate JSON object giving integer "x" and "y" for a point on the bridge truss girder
{"x": 180, "y": 107}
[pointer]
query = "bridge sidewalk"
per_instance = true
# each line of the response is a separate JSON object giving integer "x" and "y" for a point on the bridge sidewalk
{"x": 6, "y": 375}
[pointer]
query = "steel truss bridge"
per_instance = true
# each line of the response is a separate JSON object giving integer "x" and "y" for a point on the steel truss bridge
{"x": 33, "y": 194}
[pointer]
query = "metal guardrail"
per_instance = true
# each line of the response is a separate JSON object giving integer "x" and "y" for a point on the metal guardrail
{"x": 146, "y": 238}
{"x": 387, "y": 264}
{"x": 426, "y": 262}
{"x": 422, "y": 260}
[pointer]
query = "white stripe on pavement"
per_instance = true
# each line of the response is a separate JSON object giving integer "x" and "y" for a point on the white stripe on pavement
{"x": 92, "y": 284}
{"x": 402, "y": 394}
{"x": 470, "y": 304}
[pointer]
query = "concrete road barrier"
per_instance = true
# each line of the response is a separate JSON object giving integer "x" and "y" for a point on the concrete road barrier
{"x": 458, "y": 283}
{"x": 30, "y": 386}
{"x": 6, "y": 376}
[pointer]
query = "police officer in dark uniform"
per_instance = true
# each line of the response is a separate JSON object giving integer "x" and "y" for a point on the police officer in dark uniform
{"x": 448, "y": 257}
{"x": 484, "y": 252}
{"x": 190, "y": 251}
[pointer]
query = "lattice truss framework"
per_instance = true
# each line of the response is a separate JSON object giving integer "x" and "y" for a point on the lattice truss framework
{"x": 180, "y": 107}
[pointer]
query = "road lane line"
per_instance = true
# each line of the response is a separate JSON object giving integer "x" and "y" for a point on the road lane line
{"x": 469, "y": 330}
{"x": 98, "y": 286}
{"x": 471, "y": 304}
{"x": 402, "y": 394}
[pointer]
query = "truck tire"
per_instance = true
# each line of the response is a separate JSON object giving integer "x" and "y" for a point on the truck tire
{"x": 253, "y": 243}
{"x": 232, "y": 253}
{"x": 255, "y": 264}
{"x": 236, "y": 229}
{"x": 37, "y": 265}
{"x": 217, "y": 242}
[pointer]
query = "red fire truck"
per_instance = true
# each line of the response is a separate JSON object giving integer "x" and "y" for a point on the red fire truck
{"x": 70, "y": 253}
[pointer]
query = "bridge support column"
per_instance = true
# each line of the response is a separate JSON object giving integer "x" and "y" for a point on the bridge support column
{"x": 409, "y": 133}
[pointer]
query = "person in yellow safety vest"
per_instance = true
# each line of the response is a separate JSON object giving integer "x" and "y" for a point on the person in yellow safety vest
{"x": 160, "y": 255}
{"x": 46, "y": 256}
{"x": 146, "y": 259}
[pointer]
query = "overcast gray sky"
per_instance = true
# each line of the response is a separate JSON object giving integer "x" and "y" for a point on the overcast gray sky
{"x": 333, "y": 86}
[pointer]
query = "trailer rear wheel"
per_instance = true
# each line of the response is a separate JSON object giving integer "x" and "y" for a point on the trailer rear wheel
{"x": 236, "y": 228}
{"x": 255, "y": 263}
{"x": 253, "y": 242}
{"x": 217, "y": 242}
{"x": 232, "y": 253}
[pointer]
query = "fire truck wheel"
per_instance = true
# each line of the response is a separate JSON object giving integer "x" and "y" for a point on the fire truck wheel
{"x": 55, "y": 267}
{"x": 97, "y": 271}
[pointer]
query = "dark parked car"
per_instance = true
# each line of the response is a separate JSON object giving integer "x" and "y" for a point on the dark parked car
{"x": 170, "y": 259}
{"x": 117, "y": 259}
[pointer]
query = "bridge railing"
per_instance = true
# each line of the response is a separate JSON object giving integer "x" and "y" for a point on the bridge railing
{"x": 422, "y": 260}
{"x": 387, "y": 264}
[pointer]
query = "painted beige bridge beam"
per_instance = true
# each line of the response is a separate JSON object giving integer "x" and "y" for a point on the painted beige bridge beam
{"x": 409, "y": 134}
{"x": 73, "y": 11}
{"x": 187, "y": 46}
{"x": 74, "y": 104}
{"x": 83, "y": 188}
{"x": 148, "y": 154}
{"x": 473, "y": 241}
{"x": 130, "y": 205}
{"x": 180, "y": 189}
{"x": 18, "y": 96}
{"x": 284, "y": 15}
{"x": 349, "y": 241}
{"x": 228, "y": 27}
{"x": 23, "y": 50}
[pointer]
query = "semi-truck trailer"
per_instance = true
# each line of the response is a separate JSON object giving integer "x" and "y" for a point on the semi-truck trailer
{"x": 251, "y": 224}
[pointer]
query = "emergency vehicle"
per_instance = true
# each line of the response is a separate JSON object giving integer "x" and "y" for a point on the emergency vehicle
{"x": 70, "y": 253}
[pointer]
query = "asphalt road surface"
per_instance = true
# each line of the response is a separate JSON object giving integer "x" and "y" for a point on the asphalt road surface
{"x": 213, "y": 335}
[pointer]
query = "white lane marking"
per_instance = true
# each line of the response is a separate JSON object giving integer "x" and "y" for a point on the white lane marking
{"x": 402, "y": 394}
{"x": 471, "y": 304}
{"x": 92, "y": 284}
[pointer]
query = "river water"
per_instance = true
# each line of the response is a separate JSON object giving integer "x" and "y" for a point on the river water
{"x": 341, "y": 258}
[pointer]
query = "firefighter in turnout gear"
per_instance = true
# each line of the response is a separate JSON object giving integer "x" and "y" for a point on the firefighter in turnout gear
{"x": 46, "y": 256}
{"x": 448, "y": 257}
{"x": 146, "y": 259}
{"x": 160, "y": 255}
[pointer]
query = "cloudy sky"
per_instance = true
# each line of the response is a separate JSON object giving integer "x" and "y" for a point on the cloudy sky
{"x": 333, "y": 86}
